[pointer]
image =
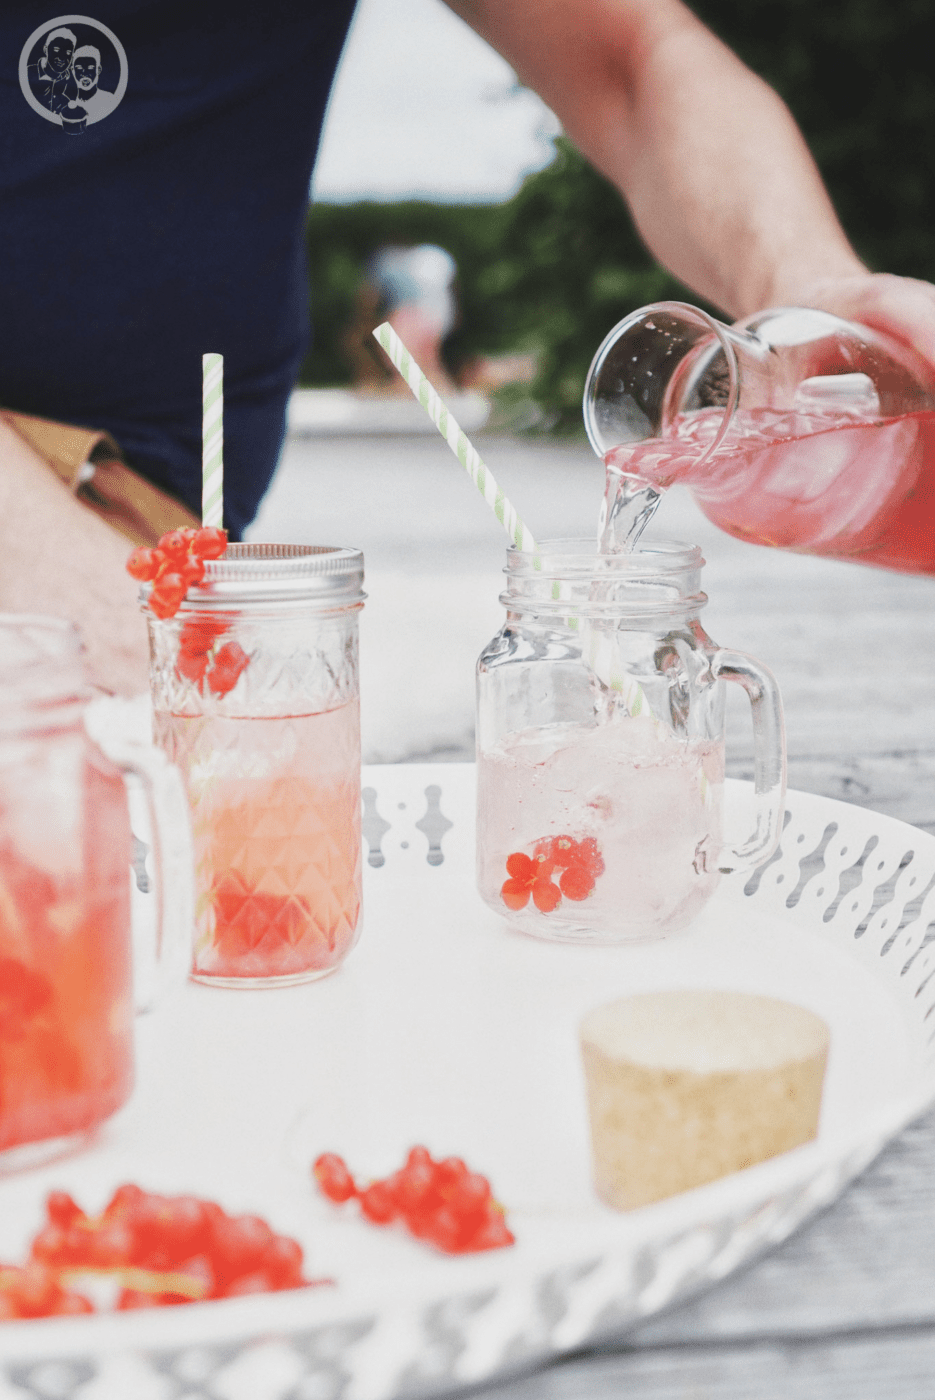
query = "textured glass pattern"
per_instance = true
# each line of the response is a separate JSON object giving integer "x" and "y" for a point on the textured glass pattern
{"x": 259, "y": 709}
{"x": 298, "y": 662}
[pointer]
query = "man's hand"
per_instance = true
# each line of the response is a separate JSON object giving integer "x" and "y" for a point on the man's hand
{"x": 901, "y": 306}
{"x": 58, "y": 558}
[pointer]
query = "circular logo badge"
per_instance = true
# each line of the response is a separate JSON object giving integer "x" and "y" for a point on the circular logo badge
{"x": 73, "y": 72}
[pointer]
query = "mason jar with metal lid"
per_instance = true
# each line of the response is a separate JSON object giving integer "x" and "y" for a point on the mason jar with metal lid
{"x": 256, "y": 697}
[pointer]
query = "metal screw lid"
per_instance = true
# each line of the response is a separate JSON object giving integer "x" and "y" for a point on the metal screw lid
{"x": 284, "y": 573}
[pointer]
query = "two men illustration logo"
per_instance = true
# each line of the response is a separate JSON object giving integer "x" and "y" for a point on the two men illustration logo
{"x": 73, "y": 72}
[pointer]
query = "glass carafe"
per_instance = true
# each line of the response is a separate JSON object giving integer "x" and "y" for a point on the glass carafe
{"x": 793, "y": 428}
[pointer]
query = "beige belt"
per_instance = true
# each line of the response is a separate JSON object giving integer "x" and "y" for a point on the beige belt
{"x": 90, "y": 464}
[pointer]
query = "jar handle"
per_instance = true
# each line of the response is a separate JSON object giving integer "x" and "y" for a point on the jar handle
{"x": 168, "y": 960}
{"x": 769, "y": 758}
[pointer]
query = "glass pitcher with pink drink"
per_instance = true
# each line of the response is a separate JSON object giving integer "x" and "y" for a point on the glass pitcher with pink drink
{"x": 600, "y": 746}
{"x": 66, "y": 983}
{"x": 793, "y": 428}
{"x": 256, "y": 697}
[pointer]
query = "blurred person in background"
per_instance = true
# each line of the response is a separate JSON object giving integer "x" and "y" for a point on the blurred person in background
{"x": 184, "y": 212}
{"x": 413, "y": 289}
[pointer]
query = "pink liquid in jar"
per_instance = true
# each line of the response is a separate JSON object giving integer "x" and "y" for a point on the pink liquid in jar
{"x": 860, "y": 489}
{"x": 66, "y": 1047}
{"x": 275, "y": 806}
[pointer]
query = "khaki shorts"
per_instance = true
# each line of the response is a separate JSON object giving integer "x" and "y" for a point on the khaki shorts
{"x": 91, "y": 465}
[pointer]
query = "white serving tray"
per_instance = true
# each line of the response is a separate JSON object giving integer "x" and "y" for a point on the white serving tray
{"x": 444, "y": 1027}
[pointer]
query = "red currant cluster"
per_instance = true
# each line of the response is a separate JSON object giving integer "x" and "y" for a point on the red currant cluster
{"x": 202, "y": 659}
{"x": 175, "y": 564}
{"x": 161, "y": 1250}
{"x": 440, "y": 1202}
{"x": 578, "y": 864}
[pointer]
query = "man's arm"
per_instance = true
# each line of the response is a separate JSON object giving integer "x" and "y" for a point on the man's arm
{"x": 57, "y": 557}
{"x": 716, "y": 173}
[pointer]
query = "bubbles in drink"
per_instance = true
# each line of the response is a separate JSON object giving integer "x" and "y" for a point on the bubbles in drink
{"x": 647, "y": 802}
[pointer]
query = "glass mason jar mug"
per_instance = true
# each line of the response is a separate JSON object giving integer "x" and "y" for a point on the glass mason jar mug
{"x": 66, "y": 974}
{"x": 256, "y": 698}
{"x": 600, "y": 746}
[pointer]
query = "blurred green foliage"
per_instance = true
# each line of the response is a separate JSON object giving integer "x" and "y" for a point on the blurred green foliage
{"x": 555, "y": 267}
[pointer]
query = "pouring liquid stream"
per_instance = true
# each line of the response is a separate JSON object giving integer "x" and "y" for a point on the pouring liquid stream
{"x": 847, "y": 486}
{"x": 629, "y": 504}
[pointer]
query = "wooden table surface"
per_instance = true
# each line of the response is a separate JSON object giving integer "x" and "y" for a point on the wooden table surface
{"x": 846, "y": 1308}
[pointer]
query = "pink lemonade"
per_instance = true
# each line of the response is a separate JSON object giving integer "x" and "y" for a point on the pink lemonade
{"x": 635, "y": 808}
{"x": 862, "y": 489}
{"x": 66, "y": 1050}
{"x": 275, "y": 808}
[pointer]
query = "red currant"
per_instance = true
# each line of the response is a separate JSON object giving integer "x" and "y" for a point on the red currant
{"x": 520, "y": 866}
{"x": 193, "y": 569}
{"x": 493, "y": 1233}
{"x": 238, "y": 1245}
{"x": 210, "y": 542}
{"x": 448, "y": 1173}
{"x": 167, "y": 594}
{"x": 546, "y": 896}
{"x": 530, "y": 876}
{"x": 192, "y": 665}
{"x": 125, "y": 1199}
{"x": 377, "y": 1204}
{"x": 558, "y": 849}
{"x": 229, "y": 662}
{"x": 415, "y": 1188}
{"x": 469, "y": 1196}
{"x": 334, "y": 1179}
{"x": 143, "y": 564}
{"x": 174, "y": 544}
{"x": 62, "y": 1209}
{"x": 283, "y": 1262}
{"x": 445, "y": 1230}
{"x": 576, "y": 882}
{"x": 589, "y": 855}
{"x": 515, "y": 894}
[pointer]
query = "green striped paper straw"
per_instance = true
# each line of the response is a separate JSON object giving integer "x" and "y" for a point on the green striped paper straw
{"x": 601, "y": 653}
{"x": 212, "y": 437}
{"x": 456, "y": 439}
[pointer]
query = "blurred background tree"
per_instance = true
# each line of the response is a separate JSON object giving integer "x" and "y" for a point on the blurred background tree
{"x": 551, "y": 270}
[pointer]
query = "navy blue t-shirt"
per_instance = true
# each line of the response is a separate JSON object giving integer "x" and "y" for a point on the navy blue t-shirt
{"x": 154, "y": 176}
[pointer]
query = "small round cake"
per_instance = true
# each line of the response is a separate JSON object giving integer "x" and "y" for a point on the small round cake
{"x": 686, "y": 1086}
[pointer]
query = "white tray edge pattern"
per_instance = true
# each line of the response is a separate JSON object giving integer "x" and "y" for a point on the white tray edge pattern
{"x": 862, "y": 880}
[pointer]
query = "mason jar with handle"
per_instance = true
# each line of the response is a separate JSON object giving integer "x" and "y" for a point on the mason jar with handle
{"x": 67, "y": 990}
{"x": 600, "y": 746}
